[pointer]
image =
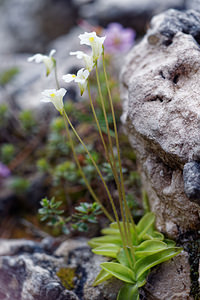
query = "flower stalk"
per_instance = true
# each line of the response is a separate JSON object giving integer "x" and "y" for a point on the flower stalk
{"x": 56, "y": 76}
{"x": 81, "y": 171}
{"x": 127, "y": 210}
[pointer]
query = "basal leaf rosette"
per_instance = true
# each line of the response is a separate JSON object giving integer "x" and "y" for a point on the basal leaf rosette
{"x": 150, "y": 249}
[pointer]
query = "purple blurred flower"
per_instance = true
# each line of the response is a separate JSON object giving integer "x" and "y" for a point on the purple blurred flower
{"x": 4, "y": 171}
{"x": 118, "y": 39}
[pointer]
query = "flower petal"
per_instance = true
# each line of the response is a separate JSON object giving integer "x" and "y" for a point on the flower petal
{"x": 69, "y": 77}
{"x": 37, "y": 57}
{"x": 52, "y": 52}
{"x": 61, "y": 92}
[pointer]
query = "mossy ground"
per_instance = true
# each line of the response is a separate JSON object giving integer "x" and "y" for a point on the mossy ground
{"x": 67, "y": 276}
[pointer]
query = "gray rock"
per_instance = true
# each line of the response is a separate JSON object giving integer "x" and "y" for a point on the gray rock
{"x": 191, "y": 177}
{"x": 171, "y": 22}
{"x": 31, "y": 277}
{"x": 192, "y": 4}
{"x": 30, "y": 25}
{"x": 79, "y": 256}
{"x": 27, "y": 273}
{"x": 15, "y": 247}
{"x": 171, "y": 280}
{"x": 130, "y": 13}
{"x": 160, "y": 84}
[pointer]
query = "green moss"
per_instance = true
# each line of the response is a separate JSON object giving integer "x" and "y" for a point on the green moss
{"x": 19, "y": 185}
{"x": 28, "y": 121}
{"x": 66, "y": 276}
{"x": 7, "y": 75}
{"x": 7, "y": 153}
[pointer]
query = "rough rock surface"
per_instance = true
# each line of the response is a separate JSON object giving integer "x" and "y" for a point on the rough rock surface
{"x": 170, "y": 281}
{"x": 160, "y": 90}
{"x": 78, "y": 255}
{"x": 192, "y": 4}
{"x": 191, "y": 176}
{"x": 29, "y": 271}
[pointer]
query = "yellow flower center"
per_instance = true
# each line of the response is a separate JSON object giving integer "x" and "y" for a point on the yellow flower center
{"x": 91, "y": 39}
{"x": 74, "y": 76}
{"x": 52, "y": 95}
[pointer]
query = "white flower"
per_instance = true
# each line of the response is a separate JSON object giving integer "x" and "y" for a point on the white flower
{"x": 69, "y": 77}
{"x": 88, "y": 59}
{"x": 49, "y": 61}
{"x": 56, "y": 97}
{"x": 81, "y": 78}
{"x": 91, "y": 39}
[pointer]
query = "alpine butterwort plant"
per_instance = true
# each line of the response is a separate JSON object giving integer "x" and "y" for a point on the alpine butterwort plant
{"x": 133, "y": 249}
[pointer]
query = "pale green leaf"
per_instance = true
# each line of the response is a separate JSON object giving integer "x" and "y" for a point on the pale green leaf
{"x": 142, "y": 279}
{"x": 149, "y": 247}
{"x": 109, "y": 250}
{"x": 170, "y": 243}
{"x": 145, "y": 263}
{"x": 107, "y": 239}
{"x": 101, "y": 277}
{"x": 128, "y": 292}
{"x": 153, "y": 234}
{"x": 114, "y": 225}
{"x": 144, "y": 224}
{"x": 123, "y": 259}
{"x": 109, "y": 230}
{"x": 119, "y": 271}
{"x": 113, "y": 229}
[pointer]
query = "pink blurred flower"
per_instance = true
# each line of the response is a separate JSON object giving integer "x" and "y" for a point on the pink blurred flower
{"x": 118, "y": 39}
{"x": 4, "y": 171}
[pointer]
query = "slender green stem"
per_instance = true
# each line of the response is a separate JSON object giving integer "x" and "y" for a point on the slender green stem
{"x": 109, "y": 137}
{"x": 127, "y": 239}
{"x": 108, "y": 192}
{"x": 98, "y": 126}
{"x": 105, "y": 115}
{"x": 56, "y": 76}
{"x": 114, "y": 171}
{"x": 127, "y": 211}
{"x": 95, "y": 165}
{"x": 108, "y": 158}
{"x": 104, "y": 144}
{"x": 82, "y": 173}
